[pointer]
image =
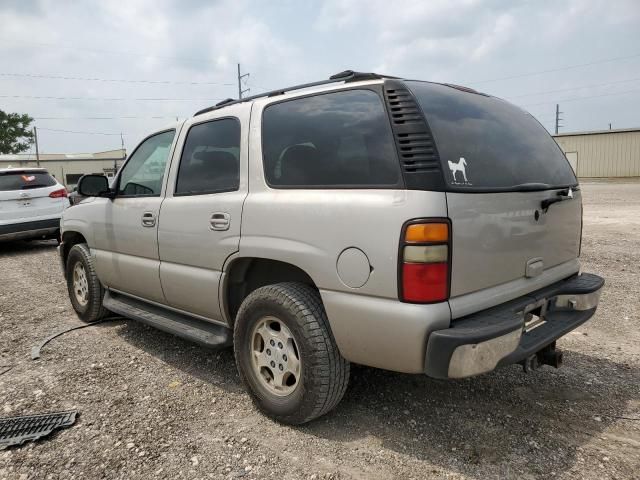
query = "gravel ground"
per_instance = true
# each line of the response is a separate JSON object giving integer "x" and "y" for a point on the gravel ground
{"x": 154, "y": 406}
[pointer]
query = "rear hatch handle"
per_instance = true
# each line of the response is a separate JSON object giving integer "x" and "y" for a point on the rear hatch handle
{"x": 561, "y": 196}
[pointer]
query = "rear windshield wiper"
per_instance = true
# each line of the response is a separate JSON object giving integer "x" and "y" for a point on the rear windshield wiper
{"x": 560, "y": 196}
{"x": 530, "y": 187}
{"x": 34, "y": 185}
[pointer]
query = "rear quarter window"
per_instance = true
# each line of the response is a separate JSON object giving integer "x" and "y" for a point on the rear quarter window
{"x": 332, "y": 140}
{"x": 210, "y": 160}
{"x": 25, "y": 181}
{"x": 486, "y": 143}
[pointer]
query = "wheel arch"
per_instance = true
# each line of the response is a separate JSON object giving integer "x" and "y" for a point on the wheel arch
{"x": 69, "y": 239}
{"x": 246, "y": 274}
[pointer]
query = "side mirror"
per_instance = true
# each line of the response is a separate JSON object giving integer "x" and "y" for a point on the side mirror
{"x": 93, "y": 186}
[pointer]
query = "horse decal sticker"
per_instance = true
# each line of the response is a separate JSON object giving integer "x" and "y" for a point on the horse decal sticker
{"x": 461, "y": 167}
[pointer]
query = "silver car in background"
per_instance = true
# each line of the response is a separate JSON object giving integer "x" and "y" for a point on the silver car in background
{"x": 412, "y": 226}
{"x": 31, "y": 204}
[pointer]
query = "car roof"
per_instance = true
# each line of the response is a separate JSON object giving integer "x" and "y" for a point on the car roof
{"x": 347, "y": 76}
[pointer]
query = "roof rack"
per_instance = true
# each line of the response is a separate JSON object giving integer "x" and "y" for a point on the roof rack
{"x": 346, "y": 76}
{"x": 464, "y": 89}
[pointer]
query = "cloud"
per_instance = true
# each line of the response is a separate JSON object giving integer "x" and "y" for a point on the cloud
{"x": 435, "y": 31}
{"x": 286, "y": 42}
{"x": 138, "y": 39}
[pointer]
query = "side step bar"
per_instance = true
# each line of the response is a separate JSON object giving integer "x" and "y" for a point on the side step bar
{"x": 199, "y": 331}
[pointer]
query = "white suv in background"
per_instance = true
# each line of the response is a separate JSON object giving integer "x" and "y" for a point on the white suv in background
{"x": 31, "y": 204}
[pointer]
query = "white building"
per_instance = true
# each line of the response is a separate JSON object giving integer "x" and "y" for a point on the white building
{"x": 603, "y": 153}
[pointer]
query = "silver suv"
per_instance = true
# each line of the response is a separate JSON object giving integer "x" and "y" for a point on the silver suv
{"x": 405, "y": 225}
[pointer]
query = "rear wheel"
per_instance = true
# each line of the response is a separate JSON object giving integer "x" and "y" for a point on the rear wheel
{"x": 286, "y": 354}
{"x": 85, "y": 290}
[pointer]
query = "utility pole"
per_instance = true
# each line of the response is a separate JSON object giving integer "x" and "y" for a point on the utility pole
{"x": 558, "y": 112}
{"x": 240, "y": 77}
{"x": 124, "y": 156}
{"x": 35, "y": 135}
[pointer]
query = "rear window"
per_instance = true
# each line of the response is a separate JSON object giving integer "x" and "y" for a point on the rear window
{"x": 488, "y": 144}
{"x": 25, "y": 181}
{"x": 340, "y": 139}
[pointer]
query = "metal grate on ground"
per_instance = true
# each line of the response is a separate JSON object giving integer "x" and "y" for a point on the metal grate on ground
{"x": 17, "y": 430}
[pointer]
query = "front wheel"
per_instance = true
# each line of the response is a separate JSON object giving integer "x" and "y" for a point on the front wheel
{"x": 85, "y": 290}
{"x": 286, "y": 354}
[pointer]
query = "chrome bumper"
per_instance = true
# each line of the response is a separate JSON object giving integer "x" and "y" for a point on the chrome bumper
{"x": 506, "y": 334}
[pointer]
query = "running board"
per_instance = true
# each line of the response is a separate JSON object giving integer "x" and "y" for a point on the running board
{"x": 199, "y": 331}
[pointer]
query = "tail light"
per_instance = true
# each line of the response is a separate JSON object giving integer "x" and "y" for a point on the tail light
{"x": 59, "y": 193}
{"x": 425, "y": 261}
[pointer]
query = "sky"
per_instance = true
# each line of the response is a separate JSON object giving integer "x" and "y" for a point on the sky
{"x": 89, "y": 71}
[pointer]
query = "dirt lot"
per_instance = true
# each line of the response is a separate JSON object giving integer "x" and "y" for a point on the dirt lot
{"x": 153, "y": 406}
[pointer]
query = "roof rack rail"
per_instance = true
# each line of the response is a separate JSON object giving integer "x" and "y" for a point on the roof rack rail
{"x": 464, "y": 89}
{"x": 225, "y": 101}
{"x": 345, "y": 76}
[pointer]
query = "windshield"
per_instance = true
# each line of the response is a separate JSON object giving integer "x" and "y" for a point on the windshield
{"x": 487, "y": 144}
{"x": 25, "y": 180}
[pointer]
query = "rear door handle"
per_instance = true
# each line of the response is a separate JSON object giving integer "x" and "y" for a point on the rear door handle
{"x": 219, "y": 221}
{"x": 148, "y": 219}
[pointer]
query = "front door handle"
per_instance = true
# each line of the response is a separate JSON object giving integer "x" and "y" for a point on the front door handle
{"x": 220, "y": 221}
{"x": 148, "y": 219}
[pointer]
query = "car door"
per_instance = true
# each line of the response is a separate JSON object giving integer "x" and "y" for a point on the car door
{"x": 126, "y": 232}
{"x": 200, "y": 217}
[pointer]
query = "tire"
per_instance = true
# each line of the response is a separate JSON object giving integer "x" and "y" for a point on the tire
{"x": 323, "y": 374}
{"x": 89, "y": 308}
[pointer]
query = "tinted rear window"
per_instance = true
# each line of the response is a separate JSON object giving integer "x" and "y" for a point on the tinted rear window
{"x": 340, "y": 139}
{"x": 25, "y": 181}
{"x": 487, "y": 143}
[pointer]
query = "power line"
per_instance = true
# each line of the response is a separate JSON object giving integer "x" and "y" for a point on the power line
{"x": 252, "y": 85}
{"x": 112, "y": 117}
{"x": 116, "y": 117}
{"x": 109, "y": 52}
{"x": 199, "y": 60}
{"x": 175, "y": 82}
{"x": 160, "y": 117}
{"x": 575, "y": 88}
{"x": 205, "y": 59}
{"x": 114, "y": 80}
{"x": 82, "y": 133}
{"x": 581, "y": 98}
{"x": 108, "y": 99}
{"x": 560, "y": 69}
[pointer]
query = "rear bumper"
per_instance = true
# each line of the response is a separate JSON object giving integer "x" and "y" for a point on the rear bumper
{"x": 495, "y": 337}
{"x": 33, "y": 229}
{"x": 61, "y": 258}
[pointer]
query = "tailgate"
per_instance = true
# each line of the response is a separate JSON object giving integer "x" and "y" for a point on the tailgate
{"x": 499, "y": 165}
{"x": 27, "y": 205}
{"x": 497, "y": 239}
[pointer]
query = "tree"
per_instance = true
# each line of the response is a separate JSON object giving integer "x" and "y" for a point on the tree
{"x": 15, "y": 132}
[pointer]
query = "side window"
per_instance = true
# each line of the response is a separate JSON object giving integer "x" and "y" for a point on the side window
{"x": 340, "y": 139}
{"x": 143, "y": 173}
{"x": 210, "y": 160}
